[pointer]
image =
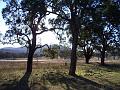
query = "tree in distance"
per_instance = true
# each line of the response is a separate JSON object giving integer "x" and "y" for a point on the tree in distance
{"x": 106, "y": 19}
{"x": 85, "y": 42}
{"x": 52, "y": 53}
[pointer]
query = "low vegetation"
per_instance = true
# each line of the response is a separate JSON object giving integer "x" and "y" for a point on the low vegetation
{"x": 54, "y": 76}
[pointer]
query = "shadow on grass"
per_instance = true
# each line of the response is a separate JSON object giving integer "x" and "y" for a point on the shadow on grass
{"x": 72, "y": 83}
{"x": 22, "y": 84}
{"x": 55, "y": 79}
{"x": 111, "y": 66}
{"x": 15, "y": 85}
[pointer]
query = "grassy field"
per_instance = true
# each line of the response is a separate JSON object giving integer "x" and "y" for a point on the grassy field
{"x": 54, "y": 76}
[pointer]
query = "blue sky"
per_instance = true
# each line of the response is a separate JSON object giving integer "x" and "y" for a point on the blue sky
{"x": 46, "y": 38}
{"x": 3, "y": 27}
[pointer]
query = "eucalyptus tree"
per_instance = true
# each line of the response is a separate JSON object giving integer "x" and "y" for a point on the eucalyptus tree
{"x": 103, "y": 26}
{"x": 102, "y": 41}
{"x": 87, "y": 49}
{"x": 52, "y": 53}
{"x": 85, "y": 39}
{"x": 26, "y": 20}
{"x": 106, "y": 19}
{"x": 73, "y": 14}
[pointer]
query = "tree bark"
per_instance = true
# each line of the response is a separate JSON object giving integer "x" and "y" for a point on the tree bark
{"x": 29, "y": 61}
{"x": 103, "y": 57}
{"x": 73, "y": 57}
{"x": 74, "y": 27}
{"x": 87, "y": 60}
{"x": 104, "y": 43}
{"x": 88, "y": 52}
{"x": 30, "y": 54}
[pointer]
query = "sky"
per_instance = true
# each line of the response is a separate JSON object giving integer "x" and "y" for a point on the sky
{"x": 46, "y": 38}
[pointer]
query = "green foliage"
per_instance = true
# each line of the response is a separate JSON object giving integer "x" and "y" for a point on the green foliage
{"x": 104, "y": 25}
{"x": 26, "y": 21}
{"x": 57, "y": 51}
{"x": 52, "y": 52}
{"x": 94, "y": 15}
{"x": 23, "y": 18}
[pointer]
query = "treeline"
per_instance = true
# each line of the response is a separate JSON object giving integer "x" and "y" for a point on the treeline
{"x": 57, "y": 51}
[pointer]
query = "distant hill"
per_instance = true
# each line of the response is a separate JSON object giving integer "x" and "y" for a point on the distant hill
{"x": 9, "y": 52}
{"x": 24, "y": 49}
{"x": 14, "y": 50}
{"x": 20, "y": 50}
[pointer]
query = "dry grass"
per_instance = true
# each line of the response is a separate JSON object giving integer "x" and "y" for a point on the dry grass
{"x": 53, "y": 75}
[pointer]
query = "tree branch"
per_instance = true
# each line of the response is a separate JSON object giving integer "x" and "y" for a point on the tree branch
{"x": 41, "y": 46}
{"x": 51, "y": 29}
{"x": 29, "y": 41}
{"x": 42, "y": 32}
{"x": 59, "y": 15}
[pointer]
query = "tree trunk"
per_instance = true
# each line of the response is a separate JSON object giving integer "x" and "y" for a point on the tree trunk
{"x": 103, "y": 57}
{"x": 88, "y": 52}
{"x": 29, "y": 61}
{"x": 104, "y": 43}
{"x": 87, "y": 60}
{"x": 73, "y": 59}
{"x": 87, "y": 56}
{"x": 74, "y": 27}
{"x": 31, "y": 52}
{"x": 73, "y": 52}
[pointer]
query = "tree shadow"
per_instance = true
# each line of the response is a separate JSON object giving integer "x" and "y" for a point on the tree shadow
{"x": 15, "y": 85}
{"x": 23, "y": 83}
{"x": 73, "y": 83}
{"x": 111, "y": 66}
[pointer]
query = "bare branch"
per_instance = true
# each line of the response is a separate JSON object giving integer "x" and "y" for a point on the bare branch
{"x": 42, "y": 32}
{"x": 41, "y": 46}
{"x": 51, "y": 29}
{"x": 59, "y": 15}
{"x": 29, "y": 41}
